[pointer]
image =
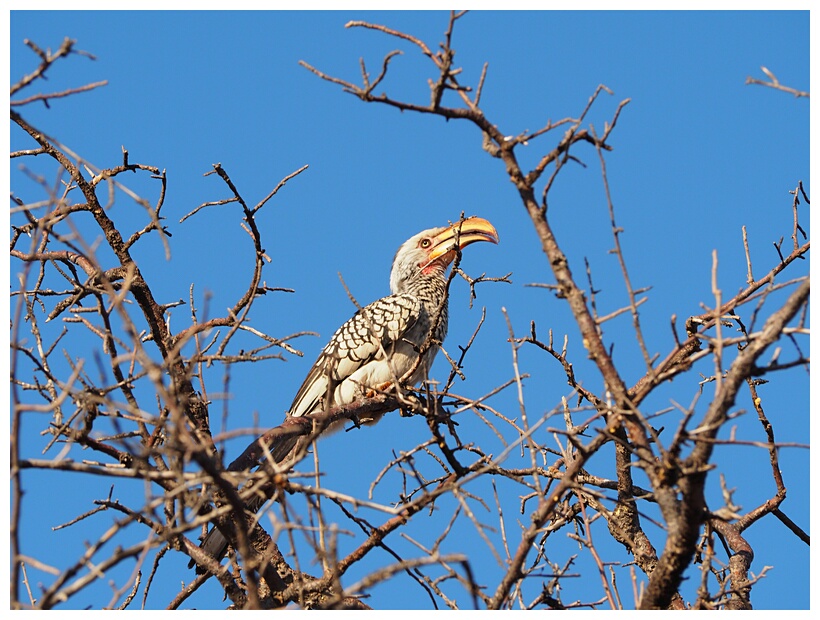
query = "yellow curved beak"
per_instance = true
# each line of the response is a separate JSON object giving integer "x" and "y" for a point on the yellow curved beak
{"x": 461, "y": 234}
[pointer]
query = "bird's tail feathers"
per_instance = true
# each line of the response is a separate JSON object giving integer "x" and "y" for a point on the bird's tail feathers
{"x": 215, "y": 544}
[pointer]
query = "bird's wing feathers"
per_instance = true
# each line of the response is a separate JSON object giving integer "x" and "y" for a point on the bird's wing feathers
{"x": 372, "y": 330}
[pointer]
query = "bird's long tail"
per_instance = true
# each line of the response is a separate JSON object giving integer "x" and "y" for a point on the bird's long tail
{"x": 215, "y": 544}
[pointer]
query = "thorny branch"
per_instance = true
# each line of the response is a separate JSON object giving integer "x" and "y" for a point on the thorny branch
{"x": 773, "y": 82}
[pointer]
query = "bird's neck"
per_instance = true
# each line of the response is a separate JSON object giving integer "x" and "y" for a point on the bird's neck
{"x": 431, "y": 291}
{"x": 430, "y": 288}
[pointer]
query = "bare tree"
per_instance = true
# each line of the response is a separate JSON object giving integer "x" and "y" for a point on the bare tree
{"x": 120, "y": 396}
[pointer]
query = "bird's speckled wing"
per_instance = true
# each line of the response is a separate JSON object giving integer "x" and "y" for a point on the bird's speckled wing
{"x": 372, "y": 331}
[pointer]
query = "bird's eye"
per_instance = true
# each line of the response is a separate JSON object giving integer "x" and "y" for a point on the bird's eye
{"x": 425, "y": 243}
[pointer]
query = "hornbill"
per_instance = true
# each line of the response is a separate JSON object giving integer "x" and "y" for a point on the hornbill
{"x": 390, "y": 341}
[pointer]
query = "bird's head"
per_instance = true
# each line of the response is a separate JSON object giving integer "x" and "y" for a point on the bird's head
{"x": 431, "y": 251}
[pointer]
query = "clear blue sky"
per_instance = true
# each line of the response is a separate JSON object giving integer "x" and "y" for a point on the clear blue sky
{"x": 697, "y": 154}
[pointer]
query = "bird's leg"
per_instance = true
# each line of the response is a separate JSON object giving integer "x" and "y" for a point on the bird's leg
{"x": 372, "y": 392}
{"x": 375, "y": 391}
{"x": 409, "y": 400}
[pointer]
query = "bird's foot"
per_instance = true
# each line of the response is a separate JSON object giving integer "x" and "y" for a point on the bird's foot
{"x": 379, "y": 389}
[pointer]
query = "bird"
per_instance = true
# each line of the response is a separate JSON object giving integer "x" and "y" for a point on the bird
{"x": 391, "y": 341}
